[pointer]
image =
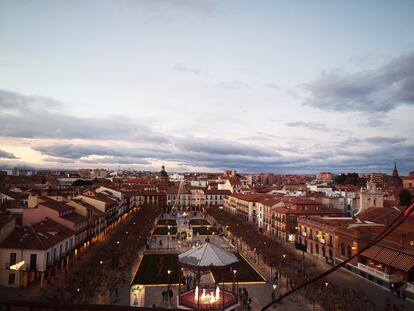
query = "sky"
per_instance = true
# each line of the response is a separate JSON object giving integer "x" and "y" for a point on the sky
{"x": 257, "y": 86}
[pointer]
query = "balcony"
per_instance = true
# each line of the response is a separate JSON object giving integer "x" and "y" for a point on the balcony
{"x": 391, "y": 278}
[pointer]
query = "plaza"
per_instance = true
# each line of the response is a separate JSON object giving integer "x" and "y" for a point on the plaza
{"x": 166, "y": 282}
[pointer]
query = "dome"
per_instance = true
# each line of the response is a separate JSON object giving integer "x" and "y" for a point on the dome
{"x": 163, "y": 173}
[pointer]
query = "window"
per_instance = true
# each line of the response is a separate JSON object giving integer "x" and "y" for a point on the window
{"x": 342, "y": 249}
{"x": 12, "y": 258}
{"x": 33, "y": 261}
{"x": 349, "y": 251}
{"x": 317, "y": 248}
{"x": 12, "y": 278}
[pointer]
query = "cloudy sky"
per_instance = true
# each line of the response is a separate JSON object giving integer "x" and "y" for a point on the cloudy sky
{"x": 260, "y": 86}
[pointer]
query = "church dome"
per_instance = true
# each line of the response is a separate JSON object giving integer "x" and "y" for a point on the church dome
{"x": 163, "y": 173}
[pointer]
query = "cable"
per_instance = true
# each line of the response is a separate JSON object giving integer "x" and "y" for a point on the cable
{"x": 404, "y": 214}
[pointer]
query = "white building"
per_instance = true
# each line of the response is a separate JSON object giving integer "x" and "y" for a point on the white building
{"x": 30, "y": 253}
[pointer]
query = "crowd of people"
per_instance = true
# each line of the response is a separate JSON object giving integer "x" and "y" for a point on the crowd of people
{"x": 286, "y": 261}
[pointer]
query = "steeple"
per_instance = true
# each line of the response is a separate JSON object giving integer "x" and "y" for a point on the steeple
{"x": 395, "y": 171}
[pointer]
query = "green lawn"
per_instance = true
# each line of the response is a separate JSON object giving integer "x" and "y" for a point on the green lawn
{"x": 166, "y": 222}
{"x": 165, "y": 230}
{"x": 245, "y": 273}
{"x": 199, "y": 222}
{"x": 153, "y": 269}
{"x": 204, "y": 230}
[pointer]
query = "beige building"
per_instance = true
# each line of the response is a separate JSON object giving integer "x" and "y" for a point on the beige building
{"x": 370, "y": 197}
{"x": 408, "y": 181}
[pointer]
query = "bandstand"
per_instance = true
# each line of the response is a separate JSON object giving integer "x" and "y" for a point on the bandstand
{"x": 197, "y": 295}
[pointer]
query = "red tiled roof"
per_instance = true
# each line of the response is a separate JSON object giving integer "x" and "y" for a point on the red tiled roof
{"x": 74, "y": 218}
{"x": 55, "y": 205}
{"x": 42, "y": 235}
{"x": 301, "y": 201}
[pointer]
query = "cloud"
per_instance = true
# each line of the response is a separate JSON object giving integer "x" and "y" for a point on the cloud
{"x": 185, "y": 68}
{"x": 105, "y": 160}
{"x": 379, "y": 90}
{"x": 73, "y": 151}
{"x": 233, "y": 85}
{"x": 222, "y": 147}
{"x": 41, "y": 117}
{"x": 317, "y": 126}
{"x": 200, "y": 7}
{"x": 272, "y": 86}
{"x": 7, "y": 155}
{"x": 385, "y": 140}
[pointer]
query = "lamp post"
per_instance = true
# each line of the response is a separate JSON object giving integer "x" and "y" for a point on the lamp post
{"x": 168, "y": 272}
{"x": 168, "y": 241}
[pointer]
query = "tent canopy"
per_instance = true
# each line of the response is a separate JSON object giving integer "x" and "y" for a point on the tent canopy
{"x": 207, "y": 256}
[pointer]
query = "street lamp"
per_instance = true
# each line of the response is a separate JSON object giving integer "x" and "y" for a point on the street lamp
{"x": 168, "y": 242}
{"x": 234, "y": 282}
{"x": 168, "y": 272}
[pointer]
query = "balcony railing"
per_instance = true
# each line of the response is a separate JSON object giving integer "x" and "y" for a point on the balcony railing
{"x": 410, "y": 287}
{"x": 382, "y": 275}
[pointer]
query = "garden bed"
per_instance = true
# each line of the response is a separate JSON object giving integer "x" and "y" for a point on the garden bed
{"x": 199, "y": 222}
{"x": 166, "y": 222}
{"x": 164, "y": 231}
{"x": 153, "y": 270}
{"x": 245, "y": 273}
{"x": 204, "y": 231}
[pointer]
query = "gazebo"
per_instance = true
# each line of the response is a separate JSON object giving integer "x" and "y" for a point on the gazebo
{"x": 200, "y": 261}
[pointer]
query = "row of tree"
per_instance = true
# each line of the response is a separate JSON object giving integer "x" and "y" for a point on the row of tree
{"x": 107, "y": 265}
{"x": 286, "y": 260}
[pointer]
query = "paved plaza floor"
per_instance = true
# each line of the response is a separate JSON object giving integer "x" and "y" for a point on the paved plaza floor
{"x": 260, "y": 294}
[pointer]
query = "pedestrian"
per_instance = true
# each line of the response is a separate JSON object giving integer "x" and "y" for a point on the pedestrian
{"x": 163, "y": 295}
{"x": 170, "y": 294}
{"x": 249, "y": 302}
{"x": 240, "y": 294}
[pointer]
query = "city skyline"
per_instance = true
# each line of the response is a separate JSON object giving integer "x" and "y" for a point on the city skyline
{"x": 203, "y": 86}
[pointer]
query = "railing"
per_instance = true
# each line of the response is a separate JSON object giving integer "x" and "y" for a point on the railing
{"x": 410, "y": 287}
{"x": 382, "y": 275}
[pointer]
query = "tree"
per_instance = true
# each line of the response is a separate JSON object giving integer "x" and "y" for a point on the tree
{"x": 405, "y": 197}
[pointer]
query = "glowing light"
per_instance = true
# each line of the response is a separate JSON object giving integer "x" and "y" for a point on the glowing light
{"x": 196, "y": 293}
{"x": 101, "y": 262}
{"x": 17, "y": 266}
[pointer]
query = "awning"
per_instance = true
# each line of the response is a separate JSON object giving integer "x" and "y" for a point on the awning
{"x": 372, "y": 252}
{"x": 389, "y": 257}
{"x": 386, "y": 256}
{"x": 403, "y": 262}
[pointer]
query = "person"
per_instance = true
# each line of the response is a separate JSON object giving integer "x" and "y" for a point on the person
{"x": 170, "y": 294}
{"x": 163, "y": 295}
{"x": 249, "y": 302}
